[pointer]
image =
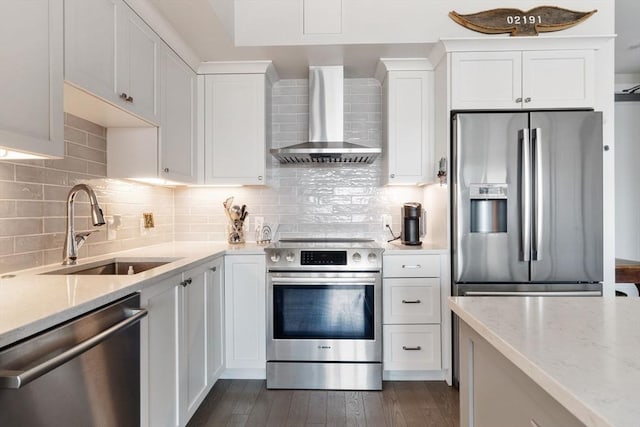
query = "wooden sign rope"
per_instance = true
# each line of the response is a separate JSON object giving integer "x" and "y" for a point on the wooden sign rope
{"x": 521, "y": 23}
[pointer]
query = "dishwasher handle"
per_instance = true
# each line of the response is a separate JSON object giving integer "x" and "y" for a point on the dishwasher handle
{"x": 13, "y": 379}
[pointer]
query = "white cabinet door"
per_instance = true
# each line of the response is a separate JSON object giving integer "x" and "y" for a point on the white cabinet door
{"x": 484, "y": 80}
{"x": 90, "y": 45}
{"x": 178, "y": 127}
{"x": 31, "y": 114}
{"x": 409, "y": 121}
{"x": 411, "y": 300}
{"x": 159, "y": 353}
{"x": 411, "y": 347}
{"x": 193, "y": 341}
{"x": 245, "y": 318}
{"x": 137, "y": 83}
{"x": 558, "y": 79}
{"x": 111, "y": 53}
{"x": 215, "y": 320}
{"x": 235, "y": 140}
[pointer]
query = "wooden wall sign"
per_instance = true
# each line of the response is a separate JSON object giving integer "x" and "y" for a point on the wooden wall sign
{"x": 520, "y": 23}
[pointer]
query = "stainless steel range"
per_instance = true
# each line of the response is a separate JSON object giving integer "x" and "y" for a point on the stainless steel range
{"x": 324, "y": 314}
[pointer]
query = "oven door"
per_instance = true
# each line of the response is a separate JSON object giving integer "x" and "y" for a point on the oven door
{"x": 328, "y": 317}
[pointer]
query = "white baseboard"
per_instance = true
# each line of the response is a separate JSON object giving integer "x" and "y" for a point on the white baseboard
{"x": 414, "y": 375}
{"x": 245, "y": 374}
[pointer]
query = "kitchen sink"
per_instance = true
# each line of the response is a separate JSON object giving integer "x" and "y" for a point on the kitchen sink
{"x": 115, "y": 266}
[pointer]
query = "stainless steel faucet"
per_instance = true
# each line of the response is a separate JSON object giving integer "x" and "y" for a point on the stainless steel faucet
{"x": 72, "y": 240}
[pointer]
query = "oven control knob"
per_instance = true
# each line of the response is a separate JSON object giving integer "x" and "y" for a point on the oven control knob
{"x": 290, "y": 257}
{"x": 356, "y": 257}
{"x": 275, "y": 257}
{"x": 372, "y": 257}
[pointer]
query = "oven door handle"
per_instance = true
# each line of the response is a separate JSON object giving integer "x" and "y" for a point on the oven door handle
{"x": 323, "y": 280}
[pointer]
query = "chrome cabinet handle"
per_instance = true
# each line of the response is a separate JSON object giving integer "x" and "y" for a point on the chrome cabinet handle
{"x": 527, "y": 99}
{"x": 518, "y": 100}
{"x": 393, "y": 175}
{"x": 260, "y": 178}
{"x": 186, "y": 282}
{"x": 165, "y": 170}
{"x": 13, "y": 379}
{"x": 404, "y": 347}
{"x": 404, "y": 301}
{"x": 412, "y": 266}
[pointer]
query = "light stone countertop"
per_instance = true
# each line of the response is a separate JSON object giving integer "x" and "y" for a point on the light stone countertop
{"x": 30, "y": 302}
{"x": 584, "y": 352}
{"x": 397, "y": 248}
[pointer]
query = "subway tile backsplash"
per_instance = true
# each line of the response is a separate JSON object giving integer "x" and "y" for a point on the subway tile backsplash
{"x": 33, "y": 197}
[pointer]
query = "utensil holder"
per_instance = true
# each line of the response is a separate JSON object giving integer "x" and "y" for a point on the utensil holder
{"x": 235, "y": 232}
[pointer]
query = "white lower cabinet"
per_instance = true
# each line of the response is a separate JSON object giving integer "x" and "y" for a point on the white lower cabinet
{"x": 245, "y": 318}
{"x": 192, "y": 362}
{"x": 159, "y": 353}
{"x": 215, "y": 320}
{"x": 411, "y": 316}
{"x": 411, "y": 347}
{"x": 182, "y": 344}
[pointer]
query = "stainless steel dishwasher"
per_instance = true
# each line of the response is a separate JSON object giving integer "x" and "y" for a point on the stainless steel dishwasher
{"x": 84, "y": 372}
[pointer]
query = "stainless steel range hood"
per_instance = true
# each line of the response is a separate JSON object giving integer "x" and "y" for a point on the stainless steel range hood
{"x": 326, "y": 128}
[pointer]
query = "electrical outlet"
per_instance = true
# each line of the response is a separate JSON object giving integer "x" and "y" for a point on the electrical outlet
{"x": 386, "y": 221}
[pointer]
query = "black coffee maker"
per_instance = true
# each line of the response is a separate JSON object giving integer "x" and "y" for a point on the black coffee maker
{"x": 412, "y": 224}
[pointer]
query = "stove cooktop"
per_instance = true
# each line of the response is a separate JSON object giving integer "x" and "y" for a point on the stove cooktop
{"x": 323, "y": 253}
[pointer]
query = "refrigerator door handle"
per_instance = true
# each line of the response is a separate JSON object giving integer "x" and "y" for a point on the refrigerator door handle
{"x": 538, "y": 196}
{"x": 525, "y": 195}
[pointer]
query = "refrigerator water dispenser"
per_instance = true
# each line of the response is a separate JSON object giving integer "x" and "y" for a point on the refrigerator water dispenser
{"x": 488, "y": 208}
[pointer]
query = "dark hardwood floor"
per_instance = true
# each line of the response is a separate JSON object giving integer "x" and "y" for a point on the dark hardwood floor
{"x": 400, "y": 403}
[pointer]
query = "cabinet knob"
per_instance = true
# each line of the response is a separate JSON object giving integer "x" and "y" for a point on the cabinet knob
{"x": 518, "y": 100}
{"x": 165, "y": 170}
{"x": 527, "y": 99}
{"x": 393, "y": 175}
{"x": 124, "y": 96}
{"x": 214, "y": 268}
{"x": 186, "y": 282}
{"x": 260, "y": 178}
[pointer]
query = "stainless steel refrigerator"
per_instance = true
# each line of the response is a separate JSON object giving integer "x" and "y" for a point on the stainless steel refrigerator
{"x": 526, "y": 205}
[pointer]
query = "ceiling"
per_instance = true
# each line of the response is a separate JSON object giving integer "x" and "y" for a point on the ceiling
{"x": 198, "y": 25}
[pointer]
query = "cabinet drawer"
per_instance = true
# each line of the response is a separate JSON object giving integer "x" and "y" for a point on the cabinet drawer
{"x": 411, "y": 347}
{"x": 413, "y": 300}
{"x": 411, "y": 266}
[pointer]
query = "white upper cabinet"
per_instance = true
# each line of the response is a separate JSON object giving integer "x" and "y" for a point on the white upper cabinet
{"x": 90, "y": 45}
{"x": 137, "y": 81}
{"x": 178, "y": 128}
{"x": 31, "y": 48}
{"x": 408, "y": 127}
{"x": 558, "y": 79}
{"x": 111, "y": 53}
{"x": 166, "y": 154}
{"x": 236, "y": 123}
{"x": 515, "y": 79}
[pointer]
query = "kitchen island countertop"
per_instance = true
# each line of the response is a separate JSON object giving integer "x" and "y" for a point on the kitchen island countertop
{"x": 581, "y": 351}
{"x": 31, "y": 302}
